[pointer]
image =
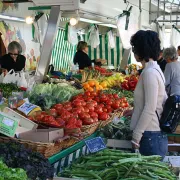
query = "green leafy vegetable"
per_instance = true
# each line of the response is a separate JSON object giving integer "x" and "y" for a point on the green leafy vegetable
{"x": 11, "y": 173}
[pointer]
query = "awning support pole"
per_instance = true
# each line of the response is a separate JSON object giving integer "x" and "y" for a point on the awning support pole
{"x": 47, "y": 46}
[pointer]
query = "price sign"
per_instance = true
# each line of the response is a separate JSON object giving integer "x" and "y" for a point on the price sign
{"x": 95, "y": 144}
{"x": 26, "y": 108}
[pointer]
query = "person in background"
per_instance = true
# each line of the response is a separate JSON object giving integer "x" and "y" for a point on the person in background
{"x": 149, "y": 97}
{"x": 161, "y": 62}
{"x": 178, "y": 50}
{"x": 172, "y": 70}
{"x": 14, "y": 59}
{"x": 82, "y": 59}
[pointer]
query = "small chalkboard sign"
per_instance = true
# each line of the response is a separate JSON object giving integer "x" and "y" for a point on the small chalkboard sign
{"x": 95, "y": 144}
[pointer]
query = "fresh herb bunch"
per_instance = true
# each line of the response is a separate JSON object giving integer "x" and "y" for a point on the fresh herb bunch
{"x": 15, "y": 155}
{"x": 7, "y": 89}
{"x": 11, "y": 174}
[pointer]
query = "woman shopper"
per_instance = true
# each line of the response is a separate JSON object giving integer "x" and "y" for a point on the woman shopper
{"x": 82, "y": 59}
{"x": 172, "y": 70}
{"x": 149, "y": 97}
{"x": 14, "y": 59}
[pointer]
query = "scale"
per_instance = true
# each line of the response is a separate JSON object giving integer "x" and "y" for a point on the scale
{"x": 8, "y": 125}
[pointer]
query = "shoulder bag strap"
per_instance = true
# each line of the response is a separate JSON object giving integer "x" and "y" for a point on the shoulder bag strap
{"x": 164, "y": 82}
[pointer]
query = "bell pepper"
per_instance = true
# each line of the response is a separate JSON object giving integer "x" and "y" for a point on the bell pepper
{"x": 125, "y": 85}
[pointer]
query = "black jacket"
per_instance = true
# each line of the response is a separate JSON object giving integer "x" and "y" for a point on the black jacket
{"x": 162, "y": 63}
{"x": 8, "y": 63}
{"x": 82, "y": 59}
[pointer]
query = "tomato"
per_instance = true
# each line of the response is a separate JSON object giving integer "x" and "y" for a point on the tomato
{"x": 90, "y": 107}
{"x": 88, "y": 121}
{"x": 31, "y": 118}
{"x": 87, "y": 99}
{"x": 60, "y": 121}
{"x": 87, "y": 93}
{"x": 126, "y": 104}
{"x": 48, "y": 118}
{"x": 62, "y": 111}
{"x": 115, "y": 96}
{"x": 77, "y": 103}
{"x": 86, "y": 110}
{"x": 93, "y": 94}
{"x": 74, "y": 114}
{"x": 115, "y": 105}
{"x": 52, "y": 112}
{"x": 108, "y": 107}
{"x": 101, "y": 105}
{"x": 72, "y": 120}
{"x": 104, "y": 109}
{"x": 67, "y": 104}
{"x": 109, "y": 110}
{"x": 123, "y": 105}
{"x": 79, "y": 123}
{"x": 103, "y": 116}
{"x": 93, "y": 114}
{"x": 95, "y": 119}
{"x": 77, "y": 110}
{"x": 109, "y": 102}
{"x": 44, "y": 113}
{"x": 98, "y": 110}
{"x": 65, "y": 116}
{"x": 103, "y": 99}
{"x": 84, "y": 115}
{"x": 97, "y": 99}
{"x": 83, "y": 103}
{"x": 110, "y": 96}
{"x": 58, "y": 106}
{"x": 39, "y": 117}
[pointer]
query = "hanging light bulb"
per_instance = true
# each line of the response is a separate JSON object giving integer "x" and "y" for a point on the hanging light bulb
{"x": 73, "y": 21}
{"x": 29, "y": 20}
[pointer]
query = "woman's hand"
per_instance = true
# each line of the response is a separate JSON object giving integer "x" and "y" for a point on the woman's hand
{"x": 128, "y": 113}
{"x": 102, "y": 61}
{"x": 135, "y": 144}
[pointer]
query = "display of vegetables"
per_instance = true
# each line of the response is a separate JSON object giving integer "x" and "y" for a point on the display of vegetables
{"x": 15, "y": 155}
{"x": 115, "y": 164}
{"x": 103, "y": 71}
{"x": 130, "y": 83}
{"x": 114, "y": 80}
{"x": 118, "y": 129}
{"x": 83, "y": 109}
{"x": 122, "y": 93}
{"x": 94, "y": 85}
{"x": 7, "y": 89}
{"x": 46, "y": 95}
{"x": 11, "y": 173}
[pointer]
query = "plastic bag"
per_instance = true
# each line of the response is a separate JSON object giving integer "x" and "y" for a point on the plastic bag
{"x": 93, "y": 40}
{"x": 175, "y": 38}
{"x": 111, "y": 40}
{"x": 162, "y": 36}
{"x": 125, "y": 35}
{"x": 72, "y": 35}
{"x": 22, "y": 82}
{"x": 11, "y": 77}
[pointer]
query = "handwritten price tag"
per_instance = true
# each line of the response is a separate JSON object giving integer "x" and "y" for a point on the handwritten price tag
{"x": 95, "y": 144}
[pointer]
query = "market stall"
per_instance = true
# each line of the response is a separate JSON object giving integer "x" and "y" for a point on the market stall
{"x": 55, "y": 123}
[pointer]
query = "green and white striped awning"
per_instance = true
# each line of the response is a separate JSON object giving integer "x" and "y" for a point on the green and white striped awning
{"x": 63, "y": 52}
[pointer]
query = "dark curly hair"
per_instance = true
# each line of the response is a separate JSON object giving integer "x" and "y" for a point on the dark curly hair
{"x": 146, "y": 45}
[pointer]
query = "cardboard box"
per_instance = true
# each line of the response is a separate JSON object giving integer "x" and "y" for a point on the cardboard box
{"x": 42, "y": 135}
{"x": 177, "y": 130}
{"x": 173, "y": 147}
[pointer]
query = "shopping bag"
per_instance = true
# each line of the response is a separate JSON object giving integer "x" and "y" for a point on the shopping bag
{"x": 11, "y": 77}
{"x": 22, "y": 82}
{"x": 72, "y": 35}
{"x": 93, "y": 40}
{"x": 111, "y": 40}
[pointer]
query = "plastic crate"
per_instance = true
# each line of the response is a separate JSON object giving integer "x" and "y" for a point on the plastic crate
{"x": 67, "y": 156}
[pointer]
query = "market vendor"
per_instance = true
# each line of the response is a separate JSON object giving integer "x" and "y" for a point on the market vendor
{"x": 161, "y": 61}
{"x": 149, "y": 97}
{"x": 82, "y": 59}
{"x": 14, "y": 59}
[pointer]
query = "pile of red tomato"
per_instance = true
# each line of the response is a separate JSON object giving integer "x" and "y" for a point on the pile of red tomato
{"x": 83, "y": 109}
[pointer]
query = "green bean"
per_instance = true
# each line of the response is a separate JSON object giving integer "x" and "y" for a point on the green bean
{"x": 131, "y": 168}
